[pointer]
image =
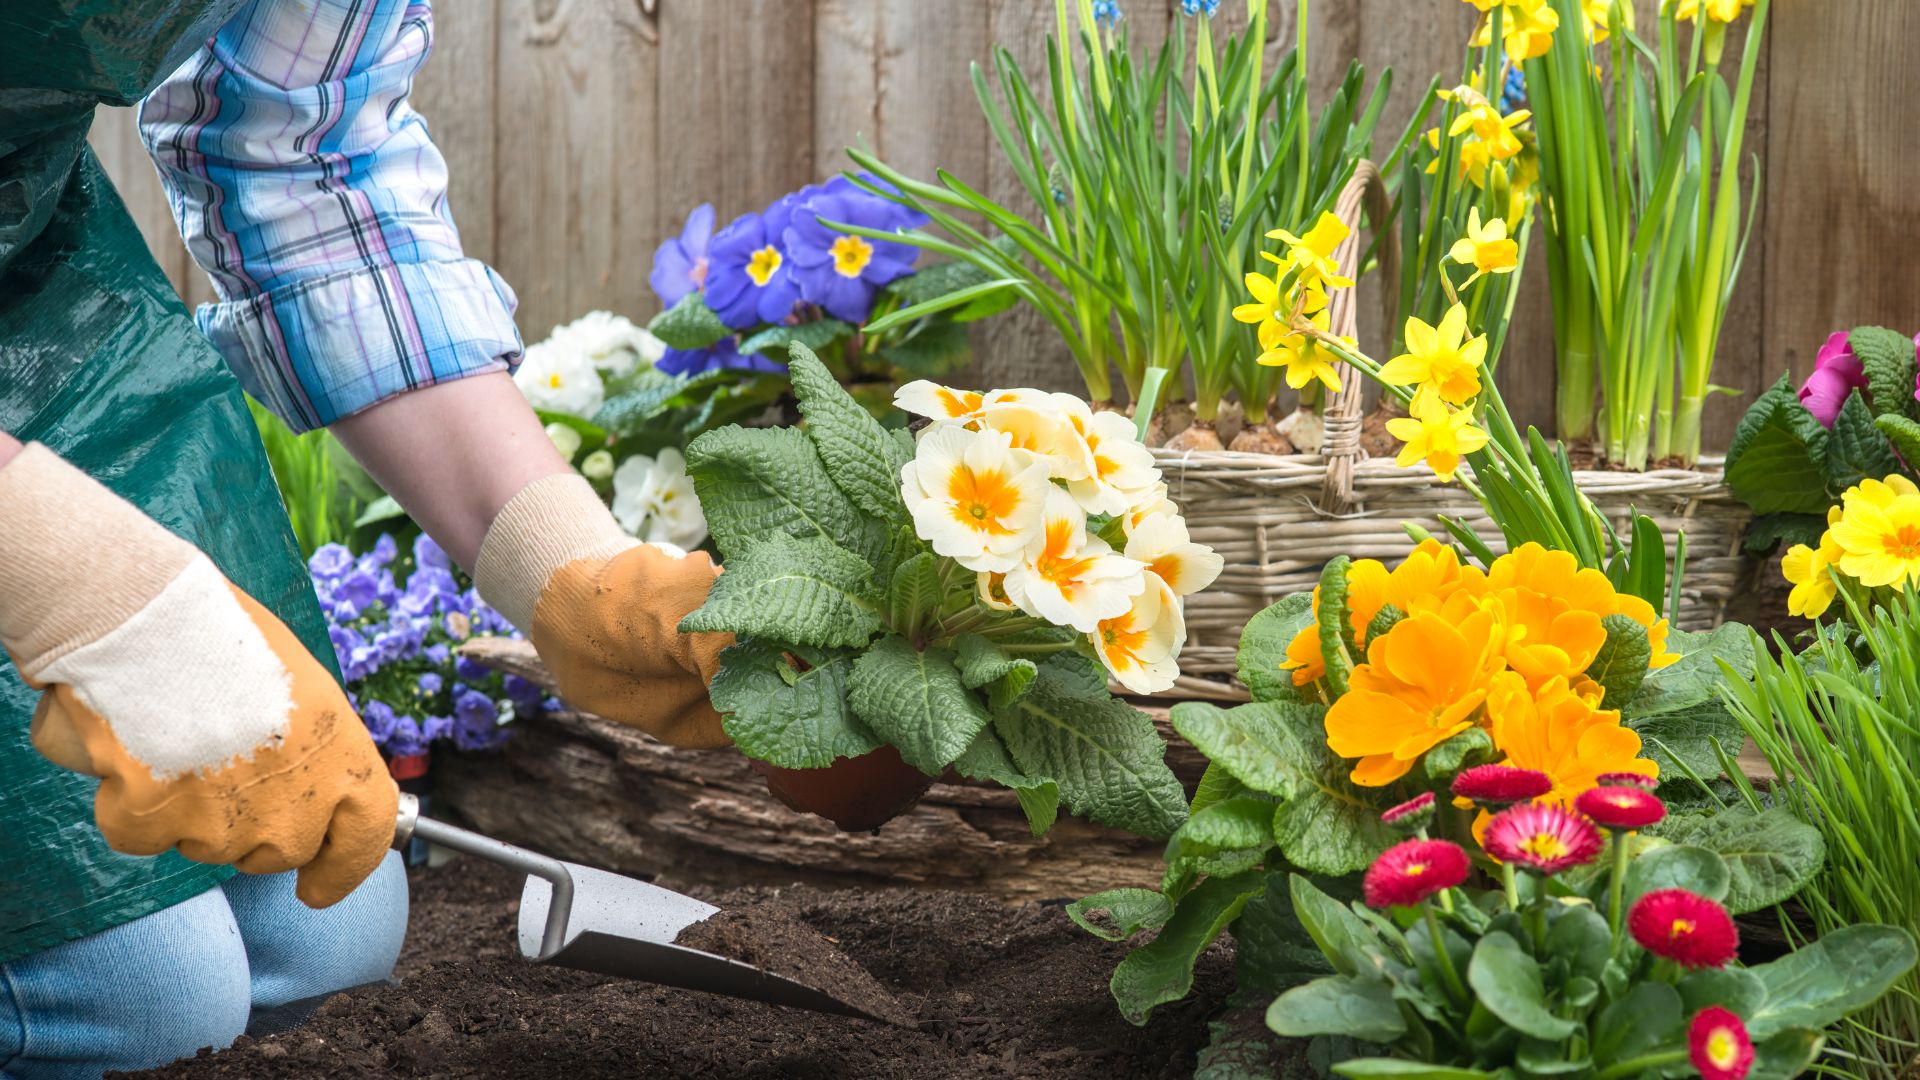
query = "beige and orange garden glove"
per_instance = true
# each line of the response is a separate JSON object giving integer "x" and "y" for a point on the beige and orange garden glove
{"x": 212, "y": 729}
{"x": 604, "y": 610}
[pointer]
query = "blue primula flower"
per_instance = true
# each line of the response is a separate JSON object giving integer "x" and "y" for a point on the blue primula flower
{"x": 749, "y": 278}
{"x": 680, "y": 264}
{"x": 725, "y": 354}
{"x": 838, "y": 271}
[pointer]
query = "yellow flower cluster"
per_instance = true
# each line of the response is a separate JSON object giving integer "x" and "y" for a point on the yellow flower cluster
{"x": 1295, "y": 299}
{"x": 1507, "y": 649}
{"x": 1720, "y": 11}
{"x": 1494, "y": 148}
{"x": 1872, "y": 537}
{"x": 1526, "y": 26}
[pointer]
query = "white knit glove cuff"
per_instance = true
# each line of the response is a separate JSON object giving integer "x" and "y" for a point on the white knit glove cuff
{"x": 551, "y": 522}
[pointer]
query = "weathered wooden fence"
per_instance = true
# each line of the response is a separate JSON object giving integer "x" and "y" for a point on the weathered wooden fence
{"x": 579, "y": 133}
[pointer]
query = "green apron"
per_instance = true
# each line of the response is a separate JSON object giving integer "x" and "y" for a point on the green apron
{"x": 99, "y": 360}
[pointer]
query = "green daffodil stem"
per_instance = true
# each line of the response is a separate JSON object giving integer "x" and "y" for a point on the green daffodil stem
{"x": 1617, "y": 886}
{"x": 1456, "y": 989}
{"x": 1658, "y": 1059}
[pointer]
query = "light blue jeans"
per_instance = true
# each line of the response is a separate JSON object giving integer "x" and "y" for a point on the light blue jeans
{"x": 163, "y": 986}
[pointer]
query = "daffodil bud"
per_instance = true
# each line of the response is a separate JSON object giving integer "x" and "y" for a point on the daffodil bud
{"x": 597, "y": 465}
{"x": 565, "y": 439}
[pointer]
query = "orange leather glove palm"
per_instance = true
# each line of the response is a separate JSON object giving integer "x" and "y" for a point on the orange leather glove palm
{"x": 604, "y": 609}
{"x": 211, "y": 727}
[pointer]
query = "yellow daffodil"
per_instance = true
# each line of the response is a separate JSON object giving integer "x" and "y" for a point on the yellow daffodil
{"x": 1879, "y": 534}
{"x": 1491, "y": 128}
{"x": 974, "y": 497}
{"x": 1527, "y": 28}
{"x": 1437, "y": 435}
{"x": 1443, "y": 359}
{"x": 1720, "y": 11}
{"x": 1312, "y": 254}
{"x": 1807, "y": 568}
{"x": 1268, "y": 307}
{"x": 1163, "y": 544}
{"x": 1595, "y": 16}
{"x": 1141, "y": 646}
{"x": 1485, "y": 248}
{"x": 1122, "y": 471}
{"x": 1305, "y": 358}
{"x": 1423, "y": 682}
{"x": 1069, "y": 578}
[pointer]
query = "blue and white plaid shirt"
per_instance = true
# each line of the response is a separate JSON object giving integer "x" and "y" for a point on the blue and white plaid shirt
{"x": 310, "y": 192}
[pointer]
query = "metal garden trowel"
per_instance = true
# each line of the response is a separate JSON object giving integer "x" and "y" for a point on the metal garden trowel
{"x": 577, "y": 917}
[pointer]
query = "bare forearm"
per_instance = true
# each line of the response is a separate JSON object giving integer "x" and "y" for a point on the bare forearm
{"x": 453, "y": 454}
{"x": 9, "y": 446}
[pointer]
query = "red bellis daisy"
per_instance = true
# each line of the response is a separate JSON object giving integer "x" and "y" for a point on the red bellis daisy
{"x": 1411, "y": 871}
{"x": 1543, "y": 837}
{"x": 1718, "y": 1044}
{"x": 1626, "y": 779}
{"x": 1412, "y": 814}
{"x": 1621, "y": 807}
{"x": 1684, "y": 927}
{"x": 1501, "y": 785}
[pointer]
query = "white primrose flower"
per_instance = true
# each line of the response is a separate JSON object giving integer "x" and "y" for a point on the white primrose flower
{"x": 973, "y": 497}
{"x": 612, "y": 343}
{"x": 1069, "y": 578}
{"x": 560, "y": 379}
{"x": 1153, "y": 501}
{"x": 1122, "y": 471}
{"x": 564, "y": 439}
{"x": 1161, "y": 541}
{"x": 944, "y": 404}
{"x": 1141, "y": 646}
{"x": 654, "y": 500}
{"x": 1041, "y": 427}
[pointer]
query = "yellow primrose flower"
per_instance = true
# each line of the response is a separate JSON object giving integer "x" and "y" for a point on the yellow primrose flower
{"x": 1437, "y": 435}
{"x": 1123, "y": 473}
{"x": 1806, "y": 568}
{"x": 1485, "y": 247}
{"x": 1879, "y": 536}
{"x": 1440, "y": 359}
{"x": 1305, "y": 358}
{"x": 1423, "y": 683}
{"x": 1164, "y": 545}
{"x": 1312, "y": 254}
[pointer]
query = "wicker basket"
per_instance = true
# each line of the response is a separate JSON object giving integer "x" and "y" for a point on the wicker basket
{"x": 1278, "y": 520}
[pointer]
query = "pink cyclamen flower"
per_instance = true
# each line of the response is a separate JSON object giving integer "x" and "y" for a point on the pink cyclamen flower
{"x": 1542, "y": 836}
{"x": 1412, "y": 870}
{"x": 1837, "y": 373}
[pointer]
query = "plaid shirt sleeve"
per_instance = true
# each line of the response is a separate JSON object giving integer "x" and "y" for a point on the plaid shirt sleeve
{"x": 310, "y": 192}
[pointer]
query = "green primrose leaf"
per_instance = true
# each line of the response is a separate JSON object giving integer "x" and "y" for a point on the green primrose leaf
{"x": 1357, "y": 1007}
{"x": 1887, "y": 358}
{"x": 1856, "y": 448}
{"x": 914, "y": 594}
{"x": 1263, "y": 646}
{"x": 1770, "y": 855}
{"x": 756, "y": 483}
{"x": 817, "y": 336}
{"x": 1621, "y": 665}
{"x": 1216, "y": 785}
{"x": 1821, "y": 982}
{"x": 1236, "y": 823}
{"x": 1385, "y": 620}
{"x": 915, "y": 700}
{"x": 934, "y": 350}
{"x": 689, "y": 324}
{"x": 1771, "y": 531}
{"x": 1777, "y": 461}
{"x": 1508, "y": 982}
{"x": 1118, "y": 914}
{"x": 862, "y": 459}
{"x": 1271, "y": 949}
{"x": 1162, "y": 970}
{"x": 982, "y": 662}
{"x": 1465, "y": 750}
{"x": 807, "y": 592}
{"x": 1677, "y": 867}
{"x": 1903, "y": 432}
{"x": 1337, "y": 647}
{"x": 986, "y": 758}
{"x": 796, "y": 720}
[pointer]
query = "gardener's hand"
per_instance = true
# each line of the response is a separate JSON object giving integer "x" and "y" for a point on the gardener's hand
{"x": 211, "y": 727}
{"x": 604, "y": 610}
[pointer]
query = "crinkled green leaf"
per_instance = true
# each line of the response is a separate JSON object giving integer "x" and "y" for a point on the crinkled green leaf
{"x": 982, "y": 662}
{"x": 1904, "y": 433}
{"x": 816, "y": 336}
{"x": 793, "y": 719}
{"x": 1337, "y": 648}
{"x": 1465, "y": 750}
{"x": 1621, "y": 664}
{"x": 1162, "y": 970}
{"x": 1777, "y": 461}
{"x": 654, "y": 392}
{"x": 1216, "y": 785}
{"x": 689, "y": 324}
{"x": 945, "y": 278}
{"x": 1887, "y": 358}
{"x": 1107, "y": 756}
{"x": 1770, "y": 855}
{"x": 1271, "y": 949}
{"x": 862, "y": 459}
{"x": 1832, "y": 977}
{"x": 1695, "y": 677}
{"x": 1507, "y": 981}
{"x": 1383, "y": 621}
{"x": 756, "y": 483}
{"x": 1856, "y": 449}
{"x": 915, "y": 593}
{"x": 1359, "y": 1007}
{"x": 1118, "y": 914}
{"x": 1263, "y": 646}
{"x": 915, "y": 700}
{"x": 1326, "y": 825}
{"x": 1770, "y": 531}
{"x": 1236, "y": 823}
{"x": 804, "y": 592}
{"x": 1687, "y": 736}
{"x": 986, "y": 758}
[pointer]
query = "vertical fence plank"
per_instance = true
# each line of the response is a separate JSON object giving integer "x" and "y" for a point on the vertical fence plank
{"x": 456, "y": 94}
{"x": 1841, "y": 205}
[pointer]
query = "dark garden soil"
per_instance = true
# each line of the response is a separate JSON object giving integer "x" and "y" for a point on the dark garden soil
{"x": 994, "y": 991}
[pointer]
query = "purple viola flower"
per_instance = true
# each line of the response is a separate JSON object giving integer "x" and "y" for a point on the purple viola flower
{"x": 1837, "y": 373}
{"x": 750, "y": 280}
{"x": 524, "y": 694}
{"x": 329, "y": 562}
{"x": 437, "y": 655}
{"x": 723, "y": 355}
{"x": 680, "y": 264}
{"x": 429, "y": 683}
{"x": 839, "y": 271}
{"x": 435, "y": 728}
{"x": 427, "y": 553}
{"x": 380, "y": 720}
{"x": 406, "y": 739}
{"x": 476, "y": 721}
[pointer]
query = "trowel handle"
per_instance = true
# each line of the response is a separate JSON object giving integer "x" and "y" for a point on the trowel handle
{"x": 408, "y": 824}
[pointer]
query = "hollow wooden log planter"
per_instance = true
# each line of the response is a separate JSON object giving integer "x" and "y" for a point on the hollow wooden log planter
{"x": 592, "y": 791}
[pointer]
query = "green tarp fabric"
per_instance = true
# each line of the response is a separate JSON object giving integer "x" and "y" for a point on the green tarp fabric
{"x": 99, "y": 360}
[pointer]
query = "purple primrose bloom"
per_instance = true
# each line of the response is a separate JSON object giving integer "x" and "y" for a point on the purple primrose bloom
{"x": 680, "y": 264}
{"x": 722, "y": 355}
{"x": 839, "y": 271}
{"x": 1837, "y": 373}
{"x": 749, "y": 280}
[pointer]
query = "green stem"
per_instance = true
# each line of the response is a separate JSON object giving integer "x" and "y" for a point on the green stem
{"x": 1617, "y": 886}
{"x": 1455, "y": 988}
{"x": 1512, "y": 886}
{"x": 1644, "y": 1063}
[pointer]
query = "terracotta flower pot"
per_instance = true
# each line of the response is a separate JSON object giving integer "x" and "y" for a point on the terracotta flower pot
{"x": 856, "y": 793}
